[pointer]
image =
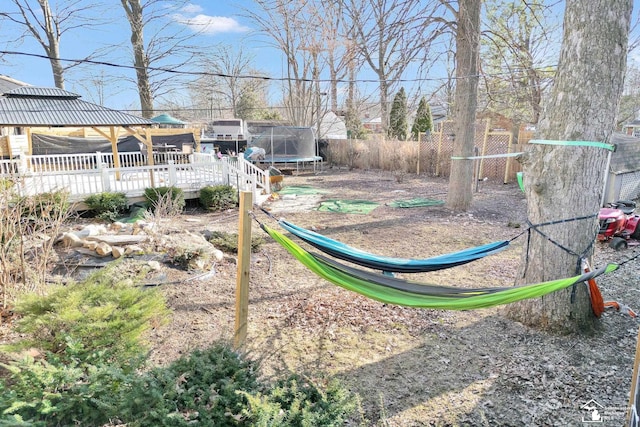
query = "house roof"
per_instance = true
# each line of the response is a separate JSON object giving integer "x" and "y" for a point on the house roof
{"x": 7, "y": 84}
{"x": 43, "y": 106}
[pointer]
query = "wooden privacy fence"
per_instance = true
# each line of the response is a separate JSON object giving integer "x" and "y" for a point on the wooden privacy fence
{"x": 431, "y": 154}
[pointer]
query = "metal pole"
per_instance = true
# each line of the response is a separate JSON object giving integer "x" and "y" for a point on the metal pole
{"x": 606, "y": 178}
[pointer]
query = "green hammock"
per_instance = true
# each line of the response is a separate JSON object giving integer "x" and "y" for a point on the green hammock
{"x": 412, "y": 294}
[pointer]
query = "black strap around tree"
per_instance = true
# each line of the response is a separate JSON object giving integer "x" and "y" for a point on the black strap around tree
{"x": 580, "y": 257}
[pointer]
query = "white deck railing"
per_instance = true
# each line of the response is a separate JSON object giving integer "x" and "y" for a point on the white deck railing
{"x": 91, "y": 173}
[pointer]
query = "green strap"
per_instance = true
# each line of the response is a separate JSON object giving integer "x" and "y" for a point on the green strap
{"x": 519, "y": 175}
{"x": 489, "y": 156}
{"x": 597, "y": 144}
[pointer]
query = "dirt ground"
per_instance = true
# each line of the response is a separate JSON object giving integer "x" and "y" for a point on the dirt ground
{"x": 409, "y": 367}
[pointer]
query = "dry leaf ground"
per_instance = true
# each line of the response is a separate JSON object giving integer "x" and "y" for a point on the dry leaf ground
{"x": 409, "y": 367}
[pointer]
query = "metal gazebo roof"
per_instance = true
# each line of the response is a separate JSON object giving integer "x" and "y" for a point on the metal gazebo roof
{"x": 40, "y": 106}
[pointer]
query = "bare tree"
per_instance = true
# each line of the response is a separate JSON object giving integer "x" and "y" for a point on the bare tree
{"x": 300, "y": 41}
{"x": 459, "y": 195}
{"x": 166, "y": 50}
{"x": 389, "y": 35}
{"x": 518, "y": 42}
{"x": 231, "y": 78}
{"x": 567, "y": 182}
{"x": 47, "y": 26}
{"x": 134, "y": 10}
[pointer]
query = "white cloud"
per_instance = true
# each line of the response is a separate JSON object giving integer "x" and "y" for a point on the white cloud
{"x": 211, "y": 24}
{"x": 192, "y": 8}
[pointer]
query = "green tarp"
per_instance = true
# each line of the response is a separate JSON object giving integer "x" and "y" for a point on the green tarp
{"x": 415, "y": 203}
{"x": 299, "y": 190}
{"x": 348, "y": 206}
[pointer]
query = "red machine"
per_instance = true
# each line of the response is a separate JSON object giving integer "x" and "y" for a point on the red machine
{"x": 618, "y": 224}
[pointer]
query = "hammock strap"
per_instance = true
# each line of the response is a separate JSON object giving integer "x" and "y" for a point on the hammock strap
{"x": 597, "y": 144}
{"x": 535, "y": 227}
{"x": 597, "y": 303}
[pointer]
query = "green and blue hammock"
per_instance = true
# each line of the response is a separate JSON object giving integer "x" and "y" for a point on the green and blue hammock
{"x": 396, "y": 291}
{"x": 389, "y": 264}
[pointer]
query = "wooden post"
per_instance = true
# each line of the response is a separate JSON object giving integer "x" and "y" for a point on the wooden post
{"x": 484, "y": 147}
{"x": 244, "y": 259}
{"x": 632, "y": 412}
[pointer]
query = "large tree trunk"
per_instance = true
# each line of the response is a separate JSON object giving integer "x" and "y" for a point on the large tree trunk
{"x": 133, "y": 8}
{"x": 466, "y": 99}
{"x": 56, "y": 66}
{"x": 52, "y": 32}
{"x": 564, "y": 182}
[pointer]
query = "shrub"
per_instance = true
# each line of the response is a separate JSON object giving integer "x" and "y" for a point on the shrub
{"x": 165, "y": 201}
{"x": 88, "y": 341}
{"x": 228, "y": 242}
{"x": 108, "y": 206}
{"x": 218, "y": 197}
{"x": 104, "y": 317}
{"x": 62, "y": 390}
{"x": 6, "y": 184}
{"x": 45, "y": 206}
{"x": 28, "y": 230}
{"x": 199, "y": 389}
{"x": 297, "y": 401}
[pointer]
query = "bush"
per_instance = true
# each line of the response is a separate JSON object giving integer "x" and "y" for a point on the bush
{"x": 107, "y": 206}
{"x": 199, "y": 389}
{"x": 28, "y": 230}
{"x": 45, "y": 206}
{"x": 104, "y": 317}
{"x": 88, "y": 342}
{"x": 62, "y": 390}
{"x": 219, "y": 387}
{"x": 165, "y": 201}
{"x": 228, "y": 242}
{"x": 296, "y": 401}
{"x": 218, "y": 197}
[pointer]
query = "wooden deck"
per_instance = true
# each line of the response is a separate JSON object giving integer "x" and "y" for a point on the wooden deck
{"x": 91, "y": 173}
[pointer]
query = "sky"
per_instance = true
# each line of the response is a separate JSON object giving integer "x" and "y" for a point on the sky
{"x": 218, "y": 22}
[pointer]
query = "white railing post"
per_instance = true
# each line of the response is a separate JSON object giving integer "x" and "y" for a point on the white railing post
{"x": 23, "y": 168}
{"x": 225, "y": 171}
{"x": 173, "y": 176}
{"x": 98, "y": 159}
{"x": 104, "y": 175}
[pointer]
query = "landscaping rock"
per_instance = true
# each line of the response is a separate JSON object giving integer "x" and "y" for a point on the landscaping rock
{"x": 103, "y": 249}
{"x": 71, "y": 240}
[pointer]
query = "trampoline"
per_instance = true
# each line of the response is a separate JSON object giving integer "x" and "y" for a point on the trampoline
{"x": 289, "y": 145}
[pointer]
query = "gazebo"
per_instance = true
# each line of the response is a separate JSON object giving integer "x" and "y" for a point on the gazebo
{"x": 29, "y": 106}
{"x": 168, "y": 121}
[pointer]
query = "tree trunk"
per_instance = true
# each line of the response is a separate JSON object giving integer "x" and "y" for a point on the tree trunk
{"x": 134, "y": 12}
{"x": 384, "y": 106}
{"x": 56, "y": 66}
{"x": 52, "y": 32}
{"x": 564, "y": 182}
{"x": 466, "y": 99}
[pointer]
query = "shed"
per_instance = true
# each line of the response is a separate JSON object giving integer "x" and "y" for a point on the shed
{"x": 30, "y": 106}
{"x": 332, "y": 127}
{"x": 623, "y": 177}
